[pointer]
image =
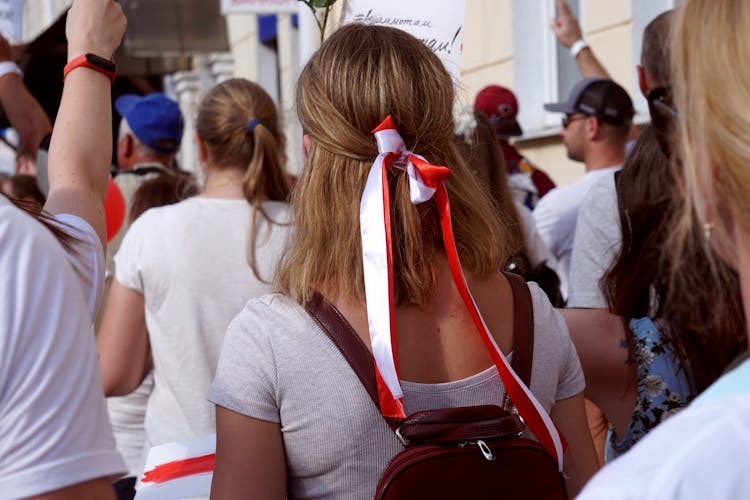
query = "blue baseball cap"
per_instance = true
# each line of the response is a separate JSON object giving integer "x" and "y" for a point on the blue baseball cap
{"x": 155, "y": 120}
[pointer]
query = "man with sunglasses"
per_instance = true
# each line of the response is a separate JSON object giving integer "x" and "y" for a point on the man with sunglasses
{"x": 595, "y": 127}
{"x": 597, "y": 238}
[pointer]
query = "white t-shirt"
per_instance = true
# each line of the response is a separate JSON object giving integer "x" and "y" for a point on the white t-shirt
{"x": 538, "y": 251}
{"x": 556, "y": 215}
{"x": 597, "y": 240}
{"x": 189, "y": 262}
{"x": 702, "y": 452}
{"x": 277, "y": 365}
{"x": 54, "y": 430}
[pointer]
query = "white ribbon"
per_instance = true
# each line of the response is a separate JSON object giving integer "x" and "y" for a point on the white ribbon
{"x": 375, "y": 265}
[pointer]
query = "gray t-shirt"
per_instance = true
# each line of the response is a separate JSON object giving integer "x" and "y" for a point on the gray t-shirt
{"x": 277, "y": 365}
{"x": 597, "y": 241}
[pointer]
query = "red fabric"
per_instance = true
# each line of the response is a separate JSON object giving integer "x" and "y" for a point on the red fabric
{"x": 180, "y": 468}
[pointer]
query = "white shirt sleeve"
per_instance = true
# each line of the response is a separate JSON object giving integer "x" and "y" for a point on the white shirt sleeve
{"x": 700, "y": 453}
{"x": 53, "y": 421}
{"x": 129, "y": 257}
{"x": 87, "y": 259}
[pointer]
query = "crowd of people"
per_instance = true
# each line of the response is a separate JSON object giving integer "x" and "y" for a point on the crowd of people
{"x": 410, "y": 221}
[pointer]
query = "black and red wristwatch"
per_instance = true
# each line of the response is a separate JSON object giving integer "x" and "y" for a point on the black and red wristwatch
{"x": 92, "y": 61}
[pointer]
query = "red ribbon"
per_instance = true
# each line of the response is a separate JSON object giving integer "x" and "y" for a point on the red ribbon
{"x": 433, "y": 177}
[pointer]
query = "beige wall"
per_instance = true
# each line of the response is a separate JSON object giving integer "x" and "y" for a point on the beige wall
{"x": 488, "y": 58}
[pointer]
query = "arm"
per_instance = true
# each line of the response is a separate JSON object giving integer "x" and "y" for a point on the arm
{"x": 249, "y": 457}
{"x": 98, "y": 488}
{"x": 81, "y": 146}
{"x": 568, "y": 31}
{"x": 599, "y": 338}
{"x": 24, "y": 112}
{"x": 123, "y": 331}
{"x": 569, "y": 415}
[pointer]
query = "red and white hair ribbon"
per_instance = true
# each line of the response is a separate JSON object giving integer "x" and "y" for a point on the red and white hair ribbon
{"x": 425, "y": 183}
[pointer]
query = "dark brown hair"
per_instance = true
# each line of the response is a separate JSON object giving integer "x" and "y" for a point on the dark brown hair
{"x": 483, "y": 156}
{"x": 704, "y": 323}
{"x": 164, "y": 189}
{"x": 25, "y": 186}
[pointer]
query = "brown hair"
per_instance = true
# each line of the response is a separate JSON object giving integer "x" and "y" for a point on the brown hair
{"x": 23, "y": 186}
{"x": 165, "y": 189}
{"x": 360, "y": 75}
{"x": 484, "y": 158}
{"x": 655, "y": 49}
{"x": 222, "y": 123}
{"x": 703, "y": 322}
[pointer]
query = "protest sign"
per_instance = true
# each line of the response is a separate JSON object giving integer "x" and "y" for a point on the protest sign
{"x": 438, "y": 23}
{"x": 178, "y": 470}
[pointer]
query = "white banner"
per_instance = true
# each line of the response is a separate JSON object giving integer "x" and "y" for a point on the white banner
{"x": 259, "y": 6}
{"x": 438, "y": 23}
{"x": 11, "y": 19}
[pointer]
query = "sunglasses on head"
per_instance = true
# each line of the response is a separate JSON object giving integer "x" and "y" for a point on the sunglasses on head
{"x": 663, "y": 118}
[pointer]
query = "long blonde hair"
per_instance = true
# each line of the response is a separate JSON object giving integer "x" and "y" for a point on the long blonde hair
{"x": 222, "y": 123}
{"x": 360, "y": 75}
{"x": 712, "y": 95}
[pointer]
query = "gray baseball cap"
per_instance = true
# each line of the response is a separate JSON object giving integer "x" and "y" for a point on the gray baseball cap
{"x": 599, "y": 97}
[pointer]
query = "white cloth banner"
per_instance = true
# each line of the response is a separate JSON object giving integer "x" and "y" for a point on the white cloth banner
{"x": 11, "y": 19}
{"x": 438, "y": 23}
{"x": 259, "y": 6}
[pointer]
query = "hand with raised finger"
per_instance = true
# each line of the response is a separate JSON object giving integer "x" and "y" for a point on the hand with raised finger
{"x": 566, "y": 26}
{"x": 94, "y": 26}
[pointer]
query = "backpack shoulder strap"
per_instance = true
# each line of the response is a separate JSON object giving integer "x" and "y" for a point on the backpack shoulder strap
{"x": 523, "y": 328}
{"x": 343, "y": 336}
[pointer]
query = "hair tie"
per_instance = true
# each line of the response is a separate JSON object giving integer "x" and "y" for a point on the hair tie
{"x": 251, "y": 125}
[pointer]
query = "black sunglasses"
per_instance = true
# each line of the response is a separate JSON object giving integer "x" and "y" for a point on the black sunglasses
{"x": 568, "y": 119}
{"x": 663, "y": 118}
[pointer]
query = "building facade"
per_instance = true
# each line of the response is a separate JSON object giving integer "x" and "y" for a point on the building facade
{"x": 506, "y": 42}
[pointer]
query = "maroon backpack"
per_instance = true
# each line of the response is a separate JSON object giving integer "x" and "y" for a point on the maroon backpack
{"x": 473, "y": 452}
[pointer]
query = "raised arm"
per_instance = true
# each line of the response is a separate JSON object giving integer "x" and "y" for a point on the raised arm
{"x": 81, "y": 146}
{"x": 24, "y": 112}
{"x": 568, "y": 31}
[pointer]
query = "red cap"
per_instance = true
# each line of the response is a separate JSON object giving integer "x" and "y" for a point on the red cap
{"x": 499, "y": 104}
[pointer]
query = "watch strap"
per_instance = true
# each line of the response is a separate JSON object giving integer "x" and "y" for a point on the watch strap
{"x": 92, "y": 61}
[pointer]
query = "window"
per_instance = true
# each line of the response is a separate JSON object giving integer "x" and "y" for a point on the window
{"x": 543, "y": 69}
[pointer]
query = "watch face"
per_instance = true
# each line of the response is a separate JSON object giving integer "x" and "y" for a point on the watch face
{"x": 100, "y": 62}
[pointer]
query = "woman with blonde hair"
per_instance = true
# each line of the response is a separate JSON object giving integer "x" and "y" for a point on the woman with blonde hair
{"x": 184, "y": 270}
{"x": 292, "y": 417}
{"x": 703, "y": 451}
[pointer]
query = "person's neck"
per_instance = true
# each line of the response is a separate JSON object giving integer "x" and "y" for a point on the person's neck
{"x": 224, "y": 183}
{"x": 604, "y": 158}
{"x": 147, "y": 160}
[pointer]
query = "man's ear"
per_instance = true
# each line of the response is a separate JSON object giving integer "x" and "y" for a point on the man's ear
{"x": 127, "y": 145}
{"x": 593, "y": 126}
